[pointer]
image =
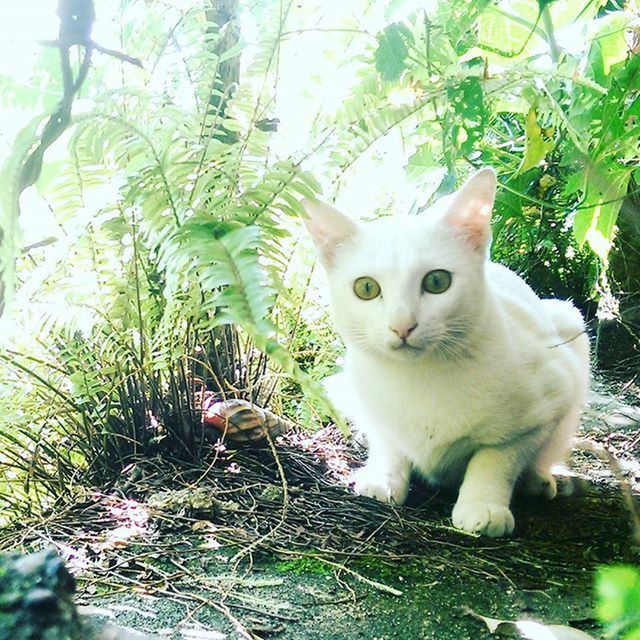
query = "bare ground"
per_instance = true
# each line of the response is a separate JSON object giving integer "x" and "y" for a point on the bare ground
{"x": 268, "y": 543}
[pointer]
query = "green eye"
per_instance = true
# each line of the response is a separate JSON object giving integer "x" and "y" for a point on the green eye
{"x": 437, "y": 281}
{"x": 366, "y": 288}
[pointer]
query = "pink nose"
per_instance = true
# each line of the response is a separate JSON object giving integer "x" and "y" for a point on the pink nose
{"x": 403, "y": 330}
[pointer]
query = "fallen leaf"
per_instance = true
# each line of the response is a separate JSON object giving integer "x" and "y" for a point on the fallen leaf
{"x": 528, "y": 629}
{"x": 202, "y": 634}
{"x": 203, "y": 525}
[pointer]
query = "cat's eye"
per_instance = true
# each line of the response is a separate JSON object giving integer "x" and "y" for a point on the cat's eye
{"x": 436, "y": 281}
{"x": 366, "y": 288}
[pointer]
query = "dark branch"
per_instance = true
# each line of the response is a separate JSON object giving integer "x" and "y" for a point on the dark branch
{"x": 76, "y": 23}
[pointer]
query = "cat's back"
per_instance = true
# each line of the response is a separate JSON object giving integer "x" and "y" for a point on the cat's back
{"x": 543, "y": 341}
{"x": 526, "y": 313}
{"x": 509, "y": 285}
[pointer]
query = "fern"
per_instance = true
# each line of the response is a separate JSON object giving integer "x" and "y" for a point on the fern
{"x": 10, "y": 208}
{"x": 175, "y": 223}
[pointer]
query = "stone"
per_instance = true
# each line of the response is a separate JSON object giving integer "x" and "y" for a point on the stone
{"x": 37, "y": 602}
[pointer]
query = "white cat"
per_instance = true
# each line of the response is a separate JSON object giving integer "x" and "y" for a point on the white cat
{"x": 454, "y": 367}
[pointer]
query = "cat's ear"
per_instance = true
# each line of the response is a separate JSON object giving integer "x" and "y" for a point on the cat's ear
{"x": 471, "y": 206}
{"x": 328, "y": 227}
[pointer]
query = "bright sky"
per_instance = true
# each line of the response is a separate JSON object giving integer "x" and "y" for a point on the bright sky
{"x": 23, "y": 24}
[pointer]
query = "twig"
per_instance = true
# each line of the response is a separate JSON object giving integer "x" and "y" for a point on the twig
{"x": 358, "y": 576}
{"x": 285, "y": 506}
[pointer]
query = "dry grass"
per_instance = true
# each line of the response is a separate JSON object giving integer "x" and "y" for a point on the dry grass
{"x": 289, "y": 498}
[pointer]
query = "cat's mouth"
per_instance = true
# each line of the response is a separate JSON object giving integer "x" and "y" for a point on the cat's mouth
{"x": 406, "y": 348}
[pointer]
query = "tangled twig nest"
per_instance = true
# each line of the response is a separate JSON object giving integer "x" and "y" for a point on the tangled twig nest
{"x": 291, "y": 497}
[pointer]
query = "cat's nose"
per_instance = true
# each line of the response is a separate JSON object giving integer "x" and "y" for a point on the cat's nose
{"x": 403, "y": 330}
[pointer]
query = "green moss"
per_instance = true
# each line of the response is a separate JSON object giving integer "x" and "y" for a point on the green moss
{"x": 303, "y": 564}
{"x": 388, "y": 571}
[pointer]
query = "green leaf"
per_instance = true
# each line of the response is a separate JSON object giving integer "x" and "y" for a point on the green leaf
{"x": 392, "y": 51}
{"x": 49, "y": 173}
{"x": 421, "y": 162}
{"x": 508, "y": 29}
{"x": 424, "y": 171}
{"x": 569, "y": 12}
{"x": 608, "y": 35}
{"x": 10, "y": 174}
{"x": 467, "y": 100}
{"x": 536, "y": 148}
{"x": 595, "y": 222}
{"x": 618, "y": 589}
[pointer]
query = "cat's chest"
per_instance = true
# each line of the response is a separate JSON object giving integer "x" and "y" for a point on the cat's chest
{"x": 424, "y": 405}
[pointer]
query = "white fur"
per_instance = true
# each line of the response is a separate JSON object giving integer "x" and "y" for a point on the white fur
{"x": 492, "y": 380}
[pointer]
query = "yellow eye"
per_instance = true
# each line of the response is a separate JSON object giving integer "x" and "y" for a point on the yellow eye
{"x": 366, "y": 288}
{"x": 437, "y": 281}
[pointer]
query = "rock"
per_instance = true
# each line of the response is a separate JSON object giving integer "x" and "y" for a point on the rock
{"x": 36, "y": 598}
{"x": 192, "y": 500}
{"x": 36, "y": 602}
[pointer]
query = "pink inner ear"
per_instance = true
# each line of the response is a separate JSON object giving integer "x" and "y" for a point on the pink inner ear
{"x": 471, "y": 207}
{"x": 328, "y": 227}
{"x": 473, "y": 218}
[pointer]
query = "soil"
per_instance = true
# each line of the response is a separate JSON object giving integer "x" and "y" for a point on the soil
{"x": 175, "y": 585}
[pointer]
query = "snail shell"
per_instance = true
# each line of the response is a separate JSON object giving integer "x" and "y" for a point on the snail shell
{"x": 242, "y": 421}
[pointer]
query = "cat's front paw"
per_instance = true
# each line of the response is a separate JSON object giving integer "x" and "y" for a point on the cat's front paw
{"x": 493, "y": 520}
{"x": 370, "y": 482}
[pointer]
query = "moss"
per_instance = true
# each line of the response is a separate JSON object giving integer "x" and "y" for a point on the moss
{"x": 386, "y": 571}
{"x": 303, "y": 564}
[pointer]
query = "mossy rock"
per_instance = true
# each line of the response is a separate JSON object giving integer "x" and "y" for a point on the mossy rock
{"x": 36, "y": 598}
{"x": 36, "y": 602}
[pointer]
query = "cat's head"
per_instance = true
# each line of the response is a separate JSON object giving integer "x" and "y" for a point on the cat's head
{"x": 410, "y": 286}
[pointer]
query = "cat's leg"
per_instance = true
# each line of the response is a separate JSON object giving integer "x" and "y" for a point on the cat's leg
{"x": 540, "y": 482}
{"x": 573, "y": 339}
{"x": 538, "y": 479}
{"x": 386, "y": 474}
{"x": 485, "y": 494}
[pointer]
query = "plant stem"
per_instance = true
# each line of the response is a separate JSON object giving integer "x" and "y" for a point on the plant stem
{"x": 551, "y": 38}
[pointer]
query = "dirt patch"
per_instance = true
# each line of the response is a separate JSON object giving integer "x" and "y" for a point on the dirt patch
{"x": 267, "y": 543}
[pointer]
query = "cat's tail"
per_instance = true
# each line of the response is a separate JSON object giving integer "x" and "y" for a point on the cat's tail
{"x": 568, "y": 321}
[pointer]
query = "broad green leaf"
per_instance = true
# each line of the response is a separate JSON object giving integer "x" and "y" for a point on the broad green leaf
{"x": 508, "y": 29}
{"x": 467, "y": 99}
{"x": 595, "y": 221}
{"x": 571, "y": 11}
{"x": 50, "y": 172}
{"x": 10, "y": 175}
{"x": 421, "y": 162}
{"x": 536, "y": 148}
{"x": 608, "y": 35}
{"x": 618, "y": 589}
{"x": 392, "y": 51}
